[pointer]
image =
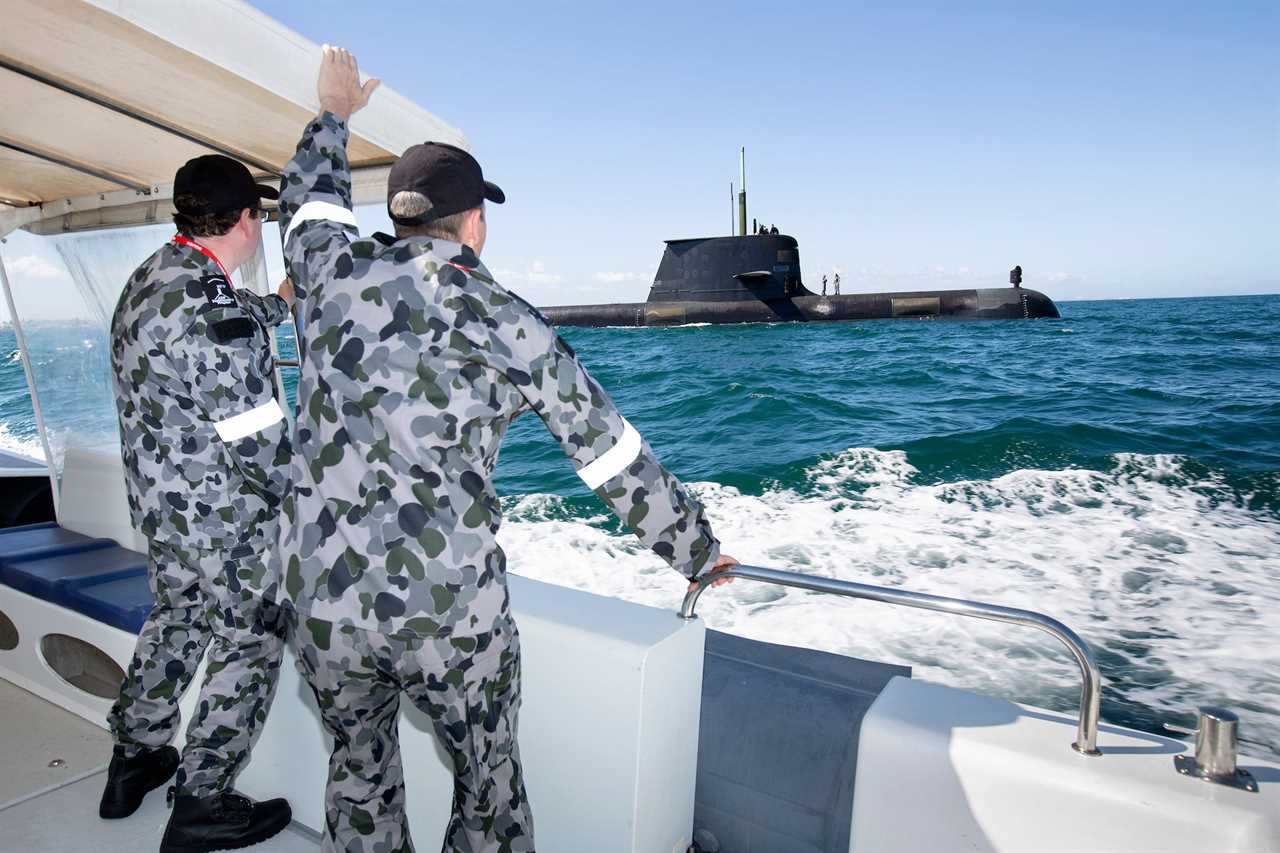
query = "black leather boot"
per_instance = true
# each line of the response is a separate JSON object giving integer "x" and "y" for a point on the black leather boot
{"x": 226, "y": 821}
{"x": 129, "y": 779}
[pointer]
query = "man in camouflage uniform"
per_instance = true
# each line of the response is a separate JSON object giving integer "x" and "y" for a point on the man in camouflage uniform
{"x": 206, "y": 459}
{"x": 414, "y": 365}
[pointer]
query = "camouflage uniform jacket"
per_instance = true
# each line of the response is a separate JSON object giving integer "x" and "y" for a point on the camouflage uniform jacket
{"x": 415, "y": 362}
{"x": 204, "y": 441}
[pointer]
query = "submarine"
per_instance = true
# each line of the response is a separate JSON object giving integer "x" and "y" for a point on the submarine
{"x": 755, "y": 278}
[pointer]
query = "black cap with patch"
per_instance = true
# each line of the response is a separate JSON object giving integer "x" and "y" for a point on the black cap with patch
{"x": 219, "y": 184}
{"x": 449, "y": 177}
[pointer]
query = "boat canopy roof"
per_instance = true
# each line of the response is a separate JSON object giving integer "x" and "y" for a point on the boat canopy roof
{"x": 103, "y": 100}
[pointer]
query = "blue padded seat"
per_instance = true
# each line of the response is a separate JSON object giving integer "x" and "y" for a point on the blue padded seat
{"x": 51, "y": 578}
{"x": 37, "y": 541}
{"x": 122, "y": 603}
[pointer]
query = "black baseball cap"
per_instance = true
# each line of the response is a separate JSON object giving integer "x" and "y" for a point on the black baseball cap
{"x": 222, "y": 184}
{"x": 449, "y": 177}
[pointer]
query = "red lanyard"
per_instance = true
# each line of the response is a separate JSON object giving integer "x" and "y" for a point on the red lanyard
{"x": 192, "y": 244}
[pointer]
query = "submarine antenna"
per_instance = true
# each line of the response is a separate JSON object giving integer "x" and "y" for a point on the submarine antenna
{"x": 742, "y": 193}
{"x": 731, "y": 210}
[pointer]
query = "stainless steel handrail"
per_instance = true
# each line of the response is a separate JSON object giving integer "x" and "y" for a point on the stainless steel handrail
{"x": 1086, "y": 741}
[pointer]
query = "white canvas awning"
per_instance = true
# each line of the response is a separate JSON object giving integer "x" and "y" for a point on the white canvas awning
{"x": 103, "y": 100}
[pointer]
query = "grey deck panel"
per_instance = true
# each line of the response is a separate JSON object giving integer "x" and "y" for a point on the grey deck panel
{"x": 36, "y": 733}
{"x": 47, "y": 809}
{"x": 779, "y": 745}
{"x": 66, "y": 821}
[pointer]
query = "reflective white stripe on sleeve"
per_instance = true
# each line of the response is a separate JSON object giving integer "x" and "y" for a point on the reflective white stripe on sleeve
{"x": 247, "y": 423}
{"x": 321, "y": 210}
{"x": 613, "y": 461}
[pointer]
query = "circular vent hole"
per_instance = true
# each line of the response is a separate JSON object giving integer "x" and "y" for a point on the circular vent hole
{"x": 82, "y": 665}
{"x": 8, "y": 633}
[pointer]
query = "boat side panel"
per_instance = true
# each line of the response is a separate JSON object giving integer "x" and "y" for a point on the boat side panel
{"x": 779, "y": 744}
{"x": 610, "y": 701}
{"x": 944, "y": 769}
{"x": 26, "y": 667}
{"x": 93, "y": 498}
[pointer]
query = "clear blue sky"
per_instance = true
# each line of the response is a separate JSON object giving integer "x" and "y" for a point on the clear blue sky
{"x": 1112, "y": 150}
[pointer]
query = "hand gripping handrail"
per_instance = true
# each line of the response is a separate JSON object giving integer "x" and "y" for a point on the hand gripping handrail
{"x": 1086, "y": 741}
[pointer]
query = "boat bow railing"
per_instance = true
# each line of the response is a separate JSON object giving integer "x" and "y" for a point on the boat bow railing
{"x": 1086, "y": 741}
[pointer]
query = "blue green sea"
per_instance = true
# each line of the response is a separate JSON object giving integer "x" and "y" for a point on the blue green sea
{"x": 1118, "y": 469}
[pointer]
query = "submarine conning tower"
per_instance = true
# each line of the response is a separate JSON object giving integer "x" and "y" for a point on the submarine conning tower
{"x": 729, "y": 269}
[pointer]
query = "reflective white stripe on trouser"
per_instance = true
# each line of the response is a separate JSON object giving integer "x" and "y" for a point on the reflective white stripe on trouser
{"x": 247, "y": 423}
{"x": 320, "y": 210}
{"x": 613, "y": 461}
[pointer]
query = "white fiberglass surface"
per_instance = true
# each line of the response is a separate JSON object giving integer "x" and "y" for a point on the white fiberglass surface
{"x": 44, "y": 745}
{"x": 66, "y": 820}
{"x": 999, "y": 778}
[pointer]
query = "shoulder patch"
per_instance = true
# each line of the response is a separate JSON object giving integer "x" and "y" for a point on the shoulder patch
{"x": 217, "y": 290}
{"x": 228, "y": 331}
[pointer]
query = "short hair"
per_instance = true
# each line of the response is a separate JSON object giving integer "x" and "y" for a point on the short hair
{"x": 202, "y": 224}
{"x": 408, "y": 203}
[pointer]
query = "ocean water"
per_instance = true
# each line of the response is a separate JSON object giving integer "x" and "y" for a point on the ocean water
{"x": 1118, "y": 469}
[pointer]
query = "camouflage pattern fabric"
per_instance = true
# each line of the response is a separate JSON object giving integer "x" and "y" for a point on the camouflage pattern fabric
{"x": 206, "y": 465}
{"x": 414, "y": 364}
{"x": 201, "y": 599}
{"x": 189, "y": 354}
{"x": 470, "y": 689}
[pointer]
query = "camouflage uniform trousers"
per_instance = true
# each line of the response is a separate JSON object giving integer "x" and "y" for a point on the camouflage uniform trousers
{"x": 200, "y": 601}
{"x": 470, "y": 689}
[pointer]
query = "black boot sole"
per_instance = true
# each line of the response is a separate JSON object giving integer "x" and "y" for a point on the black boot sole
{"x": 237, "y": 844}
{"x": 116, "y": 808}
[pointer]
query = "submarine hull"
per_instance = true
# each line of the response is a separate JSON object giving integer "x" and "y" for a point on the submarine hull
{"x": 756, "y": 279}
{"x": 1007, "y": 303}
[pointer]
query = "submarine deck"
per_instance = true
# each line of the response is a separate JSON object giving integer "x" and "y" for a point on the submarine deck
{"x": 982, "y": 304}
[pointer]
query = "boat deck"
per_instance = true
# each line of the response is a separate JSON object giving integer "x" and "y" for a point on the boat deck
{"x": 54, "y": 809}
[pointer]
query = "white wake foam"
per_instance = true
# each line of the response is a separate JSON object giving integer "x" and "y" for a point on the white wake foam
{"x": 1176, "y": 586}
{"x": 22, "y": 446}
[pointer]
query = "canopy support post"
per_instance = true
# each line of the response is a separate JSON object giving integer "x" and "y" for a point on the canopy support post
{"x": 31, "y": 387}
{"x": 256, "y": 269}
